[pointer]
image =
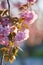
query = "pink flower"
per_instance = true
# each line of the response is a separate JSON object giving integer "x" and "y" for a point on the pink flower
{"x": 1, "y": 32}
{"x": 21, "y": 36}
{"x": 5, "y": 21}
{"x": 6, "y": 30}
{"x": 5, "y": 41}
{"x": 29, "y": 17}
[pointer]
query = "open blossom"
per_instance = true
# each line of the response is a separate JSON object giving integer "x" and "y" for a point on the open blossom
{"x": 21, "y": 36}
{"x": 1, "y": 32}
{"x": 6, "y": 30}
{"x": 29, "y": 17}
{"x": 5, "y": 21}
{"x": 5, "y": 41}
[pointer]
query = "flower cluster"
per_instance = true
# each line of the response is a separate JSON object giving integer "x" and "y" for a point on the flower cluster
{"x": 10, "y": 32}
{"x": 15, "y": 30}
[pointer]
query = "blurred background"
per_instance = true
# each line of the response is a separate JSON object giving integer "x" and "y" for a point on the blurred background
{"x": 32, "y": 48}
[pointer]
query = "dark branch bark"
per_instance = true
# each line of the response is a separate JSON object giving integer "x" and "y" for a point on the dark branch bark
{"x": 8, "y": 6}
